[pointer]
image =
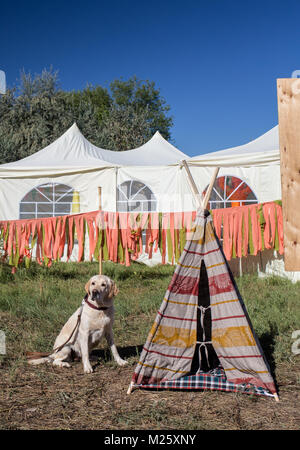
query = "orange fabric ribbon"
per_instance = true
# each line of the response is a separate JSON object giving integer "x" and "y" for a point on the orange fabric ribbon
{"x": 242, "y": 230}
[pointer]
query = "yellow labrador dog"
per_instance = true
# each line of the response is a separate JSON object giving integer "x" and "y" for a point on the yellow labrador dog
{"x": 89, "y": 323}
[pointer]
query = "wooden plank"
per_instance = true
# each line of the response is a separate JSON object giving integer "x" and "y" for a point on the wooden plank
{"x": 288, "y": 96}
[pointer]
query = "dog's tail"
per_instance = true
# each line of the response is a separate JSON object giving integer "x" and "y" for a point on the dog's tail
{"x": 35, "y": 358}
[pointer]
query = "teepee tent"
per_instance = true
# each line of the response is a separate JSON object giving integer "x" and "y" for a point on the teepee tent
{"x": 202, "y": 337}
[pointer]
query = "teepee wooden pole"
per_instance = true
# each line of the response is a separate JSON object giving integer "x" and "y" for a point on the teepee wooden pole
{"x": 100, "y": 248}
{"x": 205, "y": 200}
{"x": 192, "y": 183}
{"x": 130, "y": 388}
{"x": 210, "y": 188}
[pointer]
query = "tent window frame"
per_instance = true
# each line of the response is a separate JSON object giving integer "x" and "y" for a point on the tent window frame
{"x": 49, "y": 203}
{"x": 128, "y": 198}
{"x": 222, "y": 201}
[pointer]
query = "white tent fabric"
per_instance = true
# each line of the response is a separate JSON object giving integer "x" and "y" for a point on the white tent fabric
{"x": 72, "y": 160}
{"x": 263, "y": 151}
{"x": 72, "y": 152}
{"x": 256, "y": 162}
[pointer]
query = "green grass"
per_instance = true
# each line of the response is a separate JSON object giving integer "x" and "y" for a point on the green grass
{"x": 273, "y": 305}
{"x": 36, "y": 302}
{"x": 41, "y": 299}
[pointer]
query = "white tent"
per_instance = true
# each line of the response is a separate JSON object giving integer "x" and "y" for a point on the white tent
{"x": 257, "y": 163}
{"x": 148, "y": 177}
{"x": 73, "y": 161}
{"x": 64, "y": 177}
{"x": 263, "y": 151}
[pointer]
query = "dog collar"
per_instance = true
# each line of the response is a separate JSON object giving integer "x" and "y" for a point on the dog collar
{"x": 98, "y": 308}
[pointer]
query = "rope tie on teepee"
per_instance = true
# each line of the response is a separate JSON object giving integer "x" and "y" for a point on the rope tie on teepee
{"x": 204, "y": 342}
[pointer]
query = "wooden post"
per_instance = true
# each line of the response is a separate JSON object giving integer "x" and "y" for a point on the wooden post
{"x": 288, "y": 96}
{"x": 100, "y": 248}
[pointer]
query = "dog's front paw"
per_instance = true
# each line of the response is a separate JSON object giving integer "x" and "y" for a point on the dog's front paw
{"x": 88, "y": 369}
{"x": 61, "y": 364}
{"x": 122, "y": 362}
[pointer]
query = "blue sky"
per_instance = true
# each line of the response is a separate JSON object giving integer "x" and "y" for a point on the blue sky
{"x": 215, "y": 62}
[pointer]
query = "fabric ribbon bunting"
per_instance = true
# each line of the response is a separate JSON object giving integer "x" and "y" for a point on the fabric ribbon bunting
{"x": 123, "y": 237}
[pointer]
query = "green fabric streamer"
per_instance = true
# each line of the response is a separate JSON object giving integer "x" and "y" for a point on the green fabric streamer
{"x": 250, "y": 241}
{"x": 262, "y": 222}
{"x": 45, "y": 258}
{"x": 276, "y": 239}
{"x": 182, "y": 238}
{"x": 233, "y": 250}
{"x": 121, "y": 250}
{"x": 160, "y": 232}
{"x": 177, "y": 249}
{"x": 169, "y": 245}
{"x": 97, "y": 246}
{"x": 17, "y": 254}
{"x": 104, "y": 246}
{"x": 243, "y": 236}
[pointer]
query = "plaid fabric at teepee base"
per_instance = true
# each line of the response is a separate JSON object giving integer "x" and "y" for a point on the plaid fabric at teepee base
{"x": 170, "y": 346}
{"x": 208, "y": 381}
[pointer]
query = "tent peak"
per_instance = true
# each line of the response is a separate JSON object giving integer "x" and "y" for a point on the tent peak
{"x": 74, "y": 127}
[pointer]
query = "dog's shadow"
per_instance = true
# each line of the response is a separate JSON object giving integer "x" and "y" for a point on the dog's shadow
{"x": 104, "y": 355}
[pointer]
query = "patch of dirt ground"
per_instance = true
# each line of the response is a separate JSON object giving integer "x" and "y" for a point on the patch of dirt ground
{"x": 46, "y": 397}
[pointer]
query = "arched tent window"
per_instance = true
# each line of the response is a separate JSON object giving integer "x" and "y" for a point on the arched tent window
{"x": 49, "y": 200}
{"x": 134, "y": 195}
{"x": 230, "y": 191}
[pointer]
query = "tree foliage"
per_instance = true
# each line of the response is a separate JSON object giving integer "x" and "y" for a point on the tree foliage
{"x": 36, "y": 112}
{"x": 124, "y": 128}
{"x": 142, "y": 95}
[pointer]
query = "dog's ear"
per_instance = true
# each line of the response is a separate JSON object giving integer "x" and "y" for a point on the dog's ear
{"x": 87, "y": 287}
{"x": 113, "y": 290}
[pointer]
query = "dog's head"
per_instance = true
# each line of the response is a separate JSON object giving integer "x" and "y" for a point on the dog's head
{"x": 101, "y": 289}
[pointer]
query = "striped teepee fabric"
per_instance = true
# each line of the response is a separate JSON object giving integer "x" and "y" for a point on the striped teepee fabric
{"x": 170, "y": 347}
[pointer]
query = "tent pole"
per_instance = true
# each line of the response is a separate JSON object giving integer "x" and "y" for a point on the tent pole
{"x": 204, "y": 202}
{"x": 130, "y": 388}
{"x": 100, "y": 249}
{"x": 276, "y": 397}
{"x": 192, "y": 183}
{"x": 210, "y": 188}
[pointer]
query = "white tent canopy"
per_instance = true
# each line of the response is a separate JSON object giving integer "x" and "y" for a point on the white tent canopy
{"x": 263, "y": 151}
{"x": 72, "y": 152}
{"x": 150, "y": 176}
